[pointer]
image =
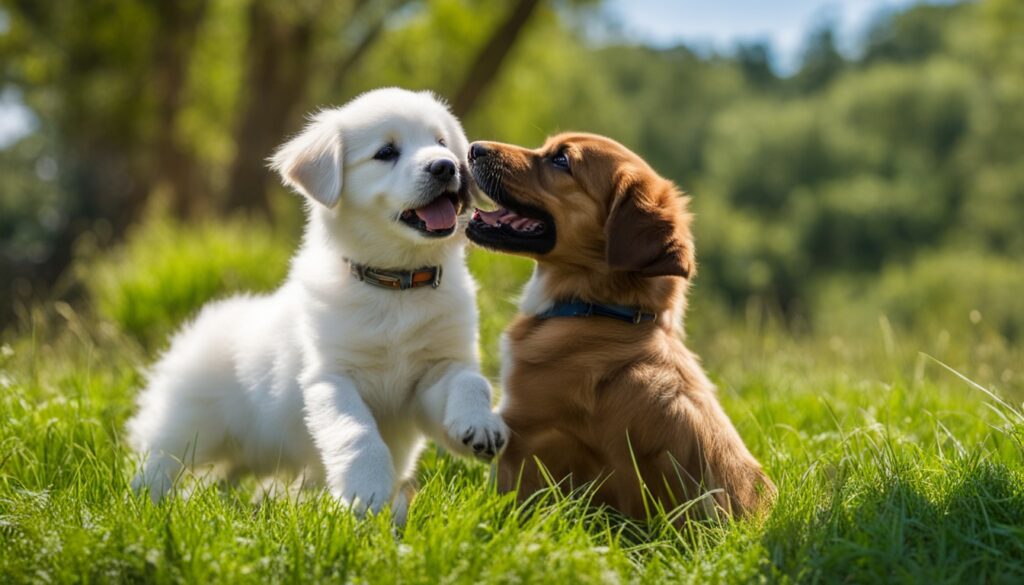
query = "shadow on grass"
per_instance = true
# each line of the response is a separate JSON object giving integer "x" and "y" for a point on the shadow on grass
{"x": 961, "y": 524}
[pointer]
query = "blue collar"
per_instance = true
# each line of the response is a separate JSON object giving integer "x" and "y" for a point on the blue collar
{"x": 577, "y": 308}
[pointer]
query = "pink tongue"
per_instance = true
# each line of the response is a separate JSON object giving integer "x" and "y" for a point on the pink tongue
{"x": 438, "y": 215}
{"x": 492, "y": 217}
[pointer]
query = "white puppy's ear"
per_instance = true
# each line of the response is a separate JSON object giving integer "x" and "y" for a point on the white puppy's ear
{"x": 311, "y": 163}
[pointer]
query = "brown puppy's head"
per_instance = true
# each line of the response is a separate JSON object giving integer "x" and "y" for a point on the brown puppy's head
{"x": 582, "y": 201}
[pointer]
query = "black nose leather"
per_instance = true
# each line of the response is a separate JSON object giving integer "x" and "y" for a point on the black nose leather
{"x": 477, "y": 150}
{"x": 442, "y": 168}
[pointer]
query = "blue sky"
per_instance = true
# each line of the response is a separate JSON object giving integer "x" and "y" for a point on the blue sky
{"x": 15, "y": 119}
{"x": 719, "y": 24}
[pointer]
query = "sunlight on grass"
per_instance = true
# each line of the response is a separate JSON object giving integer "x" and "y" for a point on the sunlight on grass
{"x": 890, "y": 465}
{"x": 165, "y": 273}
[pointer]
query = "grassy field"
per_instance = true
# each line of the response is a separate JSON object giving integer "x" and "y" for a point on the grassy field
{"x": 891, "y": 466}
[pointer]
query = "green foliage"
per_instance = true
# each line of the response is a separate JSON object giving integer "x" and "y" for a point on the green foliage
{"x": 821, "y": 61}
{"x": 914, "y": 35}
{"x": 215, "y": 82}
{"x": 879, "y": 165}
{"x": 505, "y": 276}
{"x": 951, "y": 293}
{"x": 166, "y": 271}
{"x": 431, "y": 50}
{"x": 28, "y": 194}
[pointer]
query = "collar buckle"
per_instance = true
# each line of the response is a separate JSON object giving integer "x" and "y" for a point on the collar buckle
{"x": 357, "y": 270}
{"x": 405, "y": 280}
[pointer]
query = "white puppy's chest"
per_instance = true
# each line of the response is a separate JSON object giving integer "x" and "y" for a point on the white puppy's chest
{"x": 386, "y": 341}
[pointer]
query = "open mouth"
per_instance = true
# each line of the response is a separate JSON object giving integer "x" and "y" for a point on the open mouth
{"x": 435, "y": 219}
{"x": 509, "y": 221}
{"x": 513, "y": 227}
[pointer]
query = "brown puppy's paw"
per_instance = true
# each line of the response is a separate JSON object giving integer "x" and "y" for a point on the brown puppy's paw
{"x": 752, "y": 493}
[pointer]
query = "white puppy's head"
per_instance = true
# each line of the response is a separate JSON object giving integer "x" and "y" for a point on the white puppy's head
{"x": 391, "y": 162}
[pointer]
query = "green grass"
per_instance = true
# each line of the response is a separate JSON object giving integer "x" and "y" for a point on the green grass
{"x": 165, "y": 271}
{"x": 890, "y": 468}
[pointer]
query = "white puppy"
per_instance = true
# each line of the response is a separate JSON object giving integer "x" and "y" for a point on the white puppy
{"x": 335, "y": 377}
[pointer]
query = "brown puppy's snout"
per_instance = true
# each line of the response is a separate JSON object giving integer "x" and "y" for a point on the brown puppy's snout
{"x": 477, "y": 150}
{"x": 508, "y": 158}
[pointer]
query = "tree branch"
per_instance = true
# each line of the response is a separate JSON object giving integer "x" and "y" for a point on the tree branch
{"x": 488, "y": 61}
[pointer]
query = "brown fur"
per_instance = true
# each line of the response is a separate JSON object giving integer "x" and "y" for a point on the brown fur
{"x": 597, "y": 398}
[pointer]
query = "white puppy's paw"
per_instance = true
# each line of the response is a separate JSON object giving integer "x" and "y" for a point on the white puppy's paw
{"x": 483, "y": 435}
{"x": 155, "y": 478}
{"x": 400, "y": 506}
{"x": 366, "y": 493}
{"x": 363, "y": 502}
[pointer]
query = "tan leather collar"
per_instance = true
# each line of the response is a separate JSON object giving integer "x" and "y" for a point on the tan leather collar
{"x": 397, "y": 279}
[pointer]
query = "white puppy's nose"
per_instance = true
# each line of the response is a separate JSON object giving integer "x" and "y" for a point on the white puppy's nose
{"x": 443, "y": 169}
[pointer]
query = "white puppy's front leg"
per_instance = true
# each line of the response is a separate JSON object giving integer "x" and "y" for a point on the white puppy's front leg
{"x": 456, "y": 411}
{"x": 357, "y": 463}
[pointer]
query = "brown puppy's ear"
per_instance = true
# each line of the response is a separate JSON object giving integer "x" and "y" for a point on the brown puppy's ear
{"x": 648, "y": 229}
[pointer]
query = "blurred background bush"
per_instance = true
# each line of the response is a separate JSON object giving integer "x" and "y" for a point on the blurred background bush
{"x": 887, "y": 181}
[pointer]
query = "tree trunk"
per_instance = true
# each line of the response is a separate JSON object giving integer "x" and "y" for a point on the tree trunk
{"x": 176, "y": 169}
{"x": 488, "y": 61}
{"x": 280, "y": 54}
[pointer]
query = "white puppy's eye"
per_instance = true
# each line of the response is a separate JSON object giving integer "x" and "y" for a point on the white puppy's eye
{"x": 442, "y": 142}
{"x": 387, "y": 152}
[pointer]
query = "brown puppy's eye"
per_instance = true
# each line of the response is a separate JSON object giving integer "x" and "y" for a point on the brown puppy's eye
{"x": 560, "y": 161}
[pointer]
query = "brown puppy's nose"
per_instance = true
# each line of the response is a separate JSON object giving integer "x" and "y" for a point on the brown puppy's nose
{"x": 477, "y": 150}
{"x": 442, "y": 168}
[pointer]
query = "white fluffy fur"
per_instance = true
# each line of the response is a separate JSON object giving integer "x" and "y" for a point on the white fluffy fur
{"x": 330, "y": 379}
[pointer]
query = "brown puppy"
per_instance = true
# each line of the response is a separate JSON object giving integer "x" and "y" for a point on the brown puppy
{"x": 603, "y": 397}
